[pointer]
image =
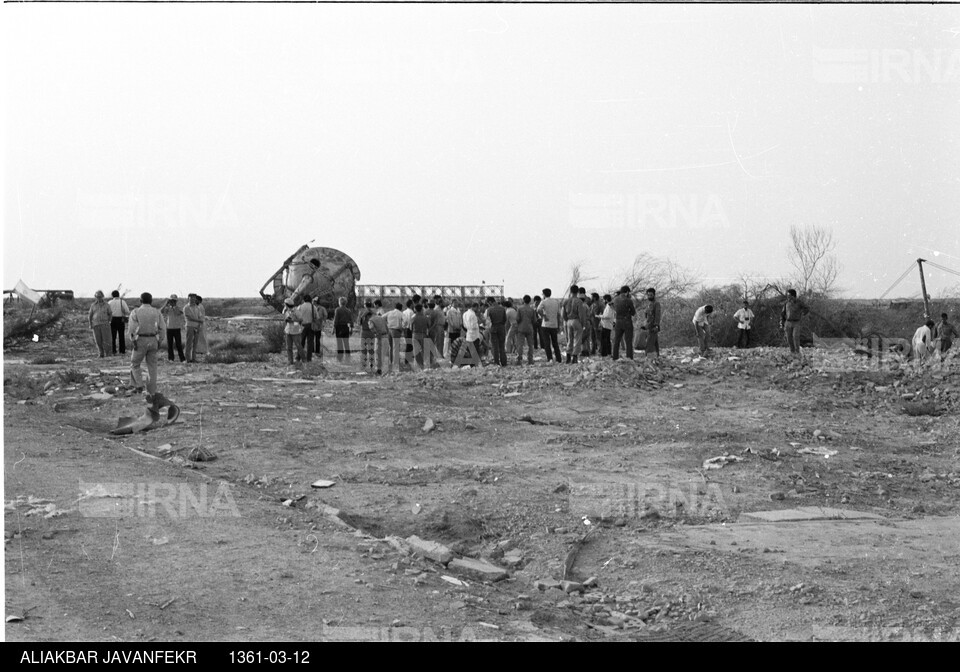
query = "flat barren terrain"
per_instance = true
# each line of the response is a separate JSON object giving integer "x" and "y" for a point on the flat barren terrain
{"x": 562, "y": 501}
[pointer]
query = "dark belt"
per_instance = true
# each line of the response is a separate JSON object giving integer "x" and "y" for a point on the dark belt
{"x": 143, "y": 335}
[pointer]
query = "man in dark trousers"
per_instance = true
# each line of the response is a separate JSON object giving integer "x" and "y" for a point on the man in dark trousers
{"x": 624, "y": 310}
{"x": 793, "y": 311}
{"x": 497, "y": 315}
{"x": 945, "y": 332}
{"x": 574, "y": 314}
{"x": 651, "y": 318}
{"x": 549, "y": 311}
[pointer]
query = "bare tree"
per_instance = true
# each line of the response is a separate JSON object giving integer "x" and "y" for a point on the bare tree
{"x": 816, "y": 267}
{"x": 576, "y": 276}
{"x": 664, "y": 275}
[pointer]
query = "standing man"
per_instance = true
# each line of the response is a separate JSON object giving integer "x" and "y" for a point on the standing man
{"x": 511, "y": 326}
{"x": 651, "y": 319}
{"x": 366, "y": 336}
{"x": 454, "y": 325}
{"x": 624, "y": 310}
{"x": 945, "y": 332}
{"x": 471, "y": 328}
{"x": 292, "y": 329}
{"x": 173, "y": 316}
{"x": 596, "y": 309}
{"x": 342, "y": 326}
{"x": 587, "y": 324}
{"x": 573, "y": 327}
{"x": 440, "y": 324}
{"x": 319, "y": 319}
{"x": 394, "y": 334}
{"x": 549, "y": 311}
{"x": 744, "y": 318}
{"x": 793, "y": 311}
{"x": 119, "y": 314}
{"x": 378, "y": 323}
{"x": 526, "y": 321}
{"x": 497, "y": 315}
{"x": 421, "y": 330}
{"x": 101, "y": 322}
{"x": 701, "y": 321}
{"x": 408, "y": 314}
{"x": 538, "y": 325}
{"x": 146, "y": 334}
{"x": 307, "y": 315}
{"x": 607, "y": 319}
{"x": 194, "y": 316}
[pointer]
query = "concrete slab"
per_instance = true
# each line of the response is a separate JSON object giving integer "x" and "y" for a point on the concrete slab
{"x": 806, "y": 513}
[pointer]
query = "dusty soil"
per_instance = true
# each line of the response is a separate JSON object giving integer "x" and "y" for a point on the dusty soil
{"x": 551, "y": 472}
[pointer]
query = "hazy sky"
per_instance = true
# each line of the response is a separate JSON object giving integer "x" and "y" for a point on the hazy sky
{"x": 177, "y": 148}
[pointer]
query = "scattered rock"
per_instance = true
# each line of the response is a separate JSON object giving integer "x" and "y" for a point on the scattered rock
{"x": 478, "y": 569}
{"x": 546, "y": 584}
{"x": 430, "y": 550}
{"x": 428, "y": 426}
{"x": 571, "y": 587}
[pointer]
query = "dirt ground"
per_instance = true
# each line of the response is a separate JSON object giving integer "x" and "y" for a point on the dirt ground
{"x": 592, "y": 473}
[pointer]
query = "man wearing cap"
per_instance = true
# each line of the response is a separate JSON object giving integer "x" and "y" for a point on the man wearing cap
{"x": 100, "y": 322}
{"x": 146, "y": 334}
{"x": 173, "y": 316}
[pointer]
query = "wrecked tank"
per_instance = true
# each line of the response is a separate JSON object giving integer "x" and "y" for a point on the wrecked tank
{"x": 315, "y": 271}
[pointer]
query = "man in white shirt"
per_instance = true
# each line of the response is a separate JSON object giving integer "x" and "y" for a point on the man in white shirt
{"x": 701, "y": 320}
{"x": 744, "y": 318}
{"x": 922, "y": 339}
{"x": 454, "y": 322}
{"x": 470, "y": 350}
{"x": 549, "y": 310}
{"x": 119, "y": 314}
{"x": 394, "y": 334}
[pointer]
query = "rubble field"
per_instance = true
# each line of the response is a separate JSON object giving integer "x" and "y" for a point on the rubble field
{"x": 746, "y": 496}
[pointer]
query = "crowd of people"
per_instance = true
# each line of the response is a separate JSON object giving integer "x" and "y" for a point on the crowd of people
{"x": 418, "y": 333}
{"x": 148, "y": 328}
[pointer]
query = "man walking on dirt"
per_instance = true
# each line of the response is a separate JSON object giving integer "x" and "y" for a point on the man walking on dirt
{"x": 549, "y": 312}
{"x": 945, "y": 332}
{"x": 793, "y": 311}
{"x": 146, "y": 334}
{"x": 623, "y": 322}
